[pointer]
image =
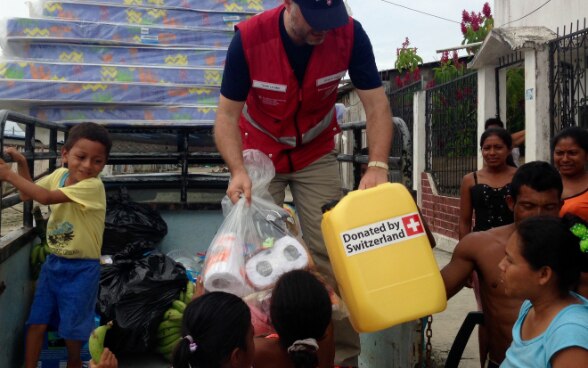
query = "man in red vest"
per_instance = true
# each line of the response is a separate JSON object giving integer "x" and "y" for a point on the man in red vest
{"x": 278, "y": 95}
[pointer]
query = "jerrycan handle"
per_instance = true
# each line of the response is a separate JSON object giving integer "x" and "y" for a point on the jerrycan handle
{"x": 329, "y": 205}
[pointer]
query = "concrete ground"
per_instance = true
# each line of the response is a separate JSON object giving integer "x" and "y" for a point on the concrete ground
{"x": 446, "y": 324}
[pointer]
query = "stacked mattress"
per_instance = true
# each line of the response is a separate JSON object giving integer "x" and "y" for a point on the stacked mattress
{"x": 120, "y": 61}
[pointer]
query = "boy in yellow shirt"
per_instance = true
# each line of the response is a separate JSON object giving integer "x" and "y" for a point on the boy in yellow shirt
{"x": 68, "y": 284}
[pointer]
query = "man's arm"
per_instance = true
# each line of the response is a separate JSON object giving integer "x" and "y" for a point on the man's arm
{"x": 456, "y": 273}
{"x": 379, "y": 134}
{"x": 227, "y": 137}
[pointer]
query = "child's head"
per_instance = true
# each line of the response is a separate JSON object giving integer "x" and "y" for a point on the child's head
{"x": 217, "y": 333}
{"x": 300, "y": 312}
{"x": 85, "y": 151}
{"x": 548, "y": 242}
{"x": 90, "y": 131}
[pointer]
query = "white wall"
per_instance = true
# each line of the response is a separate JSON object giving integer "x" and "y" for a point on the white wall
{"x": 557, "y": 13}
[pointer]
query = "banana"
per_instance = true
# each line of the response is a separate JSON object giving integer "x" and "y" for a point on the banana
{"x": 166, "y": 349}
{"x": 182, "y": 296}
{"x": 189, "y": 292}
{"x": 170, "y": 323}
{"x": 42, "y": 254}
{"x": 168, "y": 339}
{"x": 163, "y": 333}
{"x": 179, "y": 305}
{"x": 96, "y": 341}
{"x": 35, "y": 254}
{"x": 172, "y": 314}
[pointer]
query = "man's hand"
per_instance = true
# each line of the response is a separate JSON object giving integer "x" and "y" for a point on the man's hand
{"x": 5, "y": 170}
{"x": 107, "y": 360}
{"x": 372, "y": 177}
{"x": 240, "y": 184}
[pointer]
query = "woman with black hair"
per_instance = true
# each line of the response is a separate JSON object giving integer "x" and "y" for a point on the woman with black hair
{"x": 300, "y": 312}
{"x": 483, "y": 193}
{"x": 543, "y": 261}
{"x": 217, "y": 333}
{"x": 570, "y": 155}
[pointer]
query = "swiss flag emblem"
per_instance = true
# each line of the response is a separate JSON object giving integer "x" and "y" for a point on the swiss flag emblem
{"x": 413, "y": 225}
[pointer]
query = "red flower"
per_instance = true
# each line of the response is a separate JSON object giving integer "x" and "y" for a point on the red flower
{"x": 464, "y": 29}
{"x": 465, "y": 16}
{"x": 398, "y": 81}
{"x": 445, "y": 57}
{"x": 416, "y": 74}
{"x": 486, "y": 10}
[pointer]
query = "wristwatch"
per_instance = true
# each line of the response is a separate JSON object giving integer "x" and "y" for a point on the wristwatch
{"x": 380, "y": 164}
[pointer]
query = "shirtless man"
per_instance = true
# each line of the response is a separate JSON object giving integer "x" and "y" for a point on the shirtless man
{"x": 535, "y": 190}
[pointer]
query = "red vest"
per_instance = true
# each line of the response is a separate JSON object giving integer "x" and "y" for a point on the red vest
{"x": 294, "y": 125}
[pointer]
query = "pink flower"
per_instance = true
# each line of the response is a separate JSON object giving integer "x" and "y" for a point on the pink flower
{"x": 416, "y": 74}
{"x": 464, "y": 29}
{"x": 486, "y": 10}
{"x": 398, "y": 81}
{"x": 475, "y": 26}
{"x": 465, "y": 16}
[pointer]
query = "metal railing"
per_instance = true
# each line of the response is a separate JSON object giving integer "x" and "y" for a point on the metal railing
{"x": 451, "y": 130}
{"x": 568, "y": 80}
{"x": 401, "y": 104}
{"x": 50, "y": 153}
{"x": 395, "y": 162}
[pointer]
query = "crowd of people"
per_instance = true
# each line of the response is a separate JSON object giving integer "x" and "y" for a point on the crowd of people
{"x": 519, "y": 247}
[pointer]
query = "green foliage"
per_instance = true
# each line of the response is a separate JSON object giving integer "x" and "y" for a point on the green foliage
{"x": 515, "y": 99}
{"x": 407, "y": 63}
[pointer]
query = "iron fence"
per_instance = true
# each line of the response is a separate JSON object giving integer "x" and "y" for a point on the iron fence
{"x": 568, "y": 60}
{"x": 401, "y": 104}
{"x": 451, "y": 130}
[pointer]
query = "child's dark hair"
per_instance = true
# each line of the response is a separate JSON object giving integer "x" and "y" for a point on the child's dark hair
{"x": 579, "y": 135}
{"x": 217, "y": 323}
{"x": 493, "y": 122}
{"x": 548, "y": 241}
{"x": 537, "y": 175}
{"x": 300, "y": 309}
{"x": 91, "y": 131}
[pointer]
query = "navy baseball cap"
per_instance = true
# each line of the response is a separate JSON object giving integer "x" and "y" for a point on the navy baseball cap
{"x": 322, "y": 15}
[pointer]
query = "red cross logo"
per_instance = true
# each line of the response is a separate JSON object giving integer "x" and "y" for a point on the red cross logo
{"x": 413, "y": 225}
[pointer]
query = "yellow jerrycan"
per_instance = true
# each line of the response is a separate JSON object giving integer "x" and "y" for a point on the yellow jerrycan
{"x": 382, "y": 259}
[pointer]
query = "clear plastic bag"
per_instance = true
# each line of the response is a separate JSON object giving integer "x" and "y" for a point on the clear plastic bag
{"x": 257, "y": 242}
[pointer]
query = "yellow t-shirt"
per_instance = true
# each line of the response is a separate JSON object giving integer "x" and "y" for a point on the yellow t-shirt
{"x": 75, "y": 228}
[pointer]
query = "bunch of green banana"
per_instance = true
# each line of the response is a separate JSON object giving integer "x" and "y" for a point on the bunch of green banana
{"x": 96, "y": 341}
{"x": 39, "y": 253}
{"x": 169, "y": 332}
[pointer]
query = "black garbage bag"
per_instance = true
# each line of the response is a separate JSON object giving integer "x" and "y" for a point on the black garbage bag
{"x": 127, "y": 222}
{"x": 135, "y": 293}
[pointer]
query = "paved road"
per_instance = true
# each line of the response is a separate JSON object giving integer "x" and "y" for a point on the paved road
{"x": 447, "y": 323}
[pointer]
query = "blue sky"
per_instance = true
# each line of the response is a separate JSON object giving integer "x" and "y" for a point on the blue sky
{"x": 387, "y": 25}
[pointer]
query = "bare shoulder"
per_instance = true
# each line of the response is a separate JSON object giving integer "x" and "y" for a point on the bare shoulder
{"x": 471, "y": 244}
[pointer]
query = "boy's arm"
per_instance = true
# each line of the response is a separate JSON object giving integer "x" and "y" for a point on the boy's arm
{"x": 28, "y": 189}
{"x": 456, "y": 273}
{"x": 23, "y": 166}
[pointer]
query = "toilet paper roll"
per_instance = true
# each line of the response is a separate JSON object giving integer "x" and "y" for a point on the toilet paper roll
{"x": 221, "y": 277}
{"x": 224, "y": 265}
{"x": 264, "y": 268}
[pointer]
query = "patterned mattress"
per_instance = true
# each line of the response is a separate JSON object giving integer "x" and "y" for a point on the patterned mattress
{"x": 21, "y": 70}
{"x": 138, "y": 15}
{"x": 94, "y": 54}
{"x": 57, "y": 30}
{"x": 239, "y": 6}
{"x": 127, "y": 114}
{"x": 33, "y": 92}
